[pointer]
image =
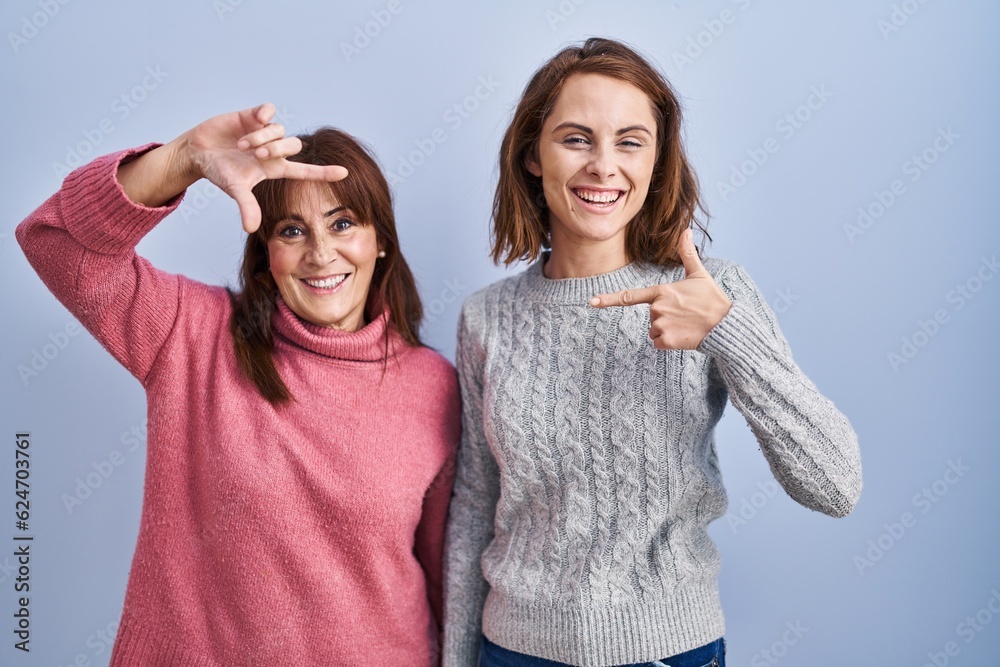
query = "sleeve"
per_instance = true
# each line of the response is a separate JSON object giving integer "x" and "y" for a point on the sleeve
{"x": 809, "y": 444}
{"x": 473, "y": 505}
{"x": 81, "y": 242}
{"x": 429, "y": 545}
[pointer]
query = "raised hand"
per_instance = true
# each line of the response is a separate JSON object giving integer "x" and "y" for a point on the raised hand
{"x": 680, "y": 313}
{"x": 236, "y": 151}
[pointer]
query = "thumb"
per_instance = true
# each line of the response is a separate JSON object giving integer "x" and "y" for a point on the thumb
{"x": 689, "y": 255}
{"x": 249, "y": 210}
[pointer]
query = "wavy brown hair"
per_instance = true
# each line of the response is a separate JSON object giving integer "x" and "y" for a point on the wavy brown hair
{"x": 520, "y": 217}
{"x": 366, "y": 193}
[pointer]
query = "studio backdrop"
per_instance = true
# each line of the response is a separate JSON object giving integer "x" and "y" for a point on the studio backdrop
{"x": 847, "y": 153}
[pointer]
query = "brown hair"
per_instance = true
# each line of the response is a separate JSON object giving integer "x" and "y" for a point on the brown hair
{"x": 366, "y": 193}
{"x": 520, "y": 217}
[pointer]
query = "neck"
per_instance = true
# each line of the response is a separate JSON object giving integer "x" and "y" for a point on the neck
{"x": 569, "y": 260}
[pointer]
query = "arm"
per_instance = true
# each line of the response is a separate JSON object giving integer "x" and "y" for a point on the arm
{"x": 82, "y": 240}
{"x": 809, "y": 444}
{"x": 473, "y": 507}
{"x": 430, "y": 535}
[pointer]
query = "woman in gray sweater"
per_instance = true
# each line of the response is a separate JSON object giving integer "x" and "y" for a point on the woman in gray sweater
{"x": 587, "y": 474}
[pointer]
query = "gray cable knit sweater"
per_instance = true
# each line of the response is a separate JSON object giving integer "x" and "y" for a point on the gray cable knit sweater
{"x": 587, "y": 474}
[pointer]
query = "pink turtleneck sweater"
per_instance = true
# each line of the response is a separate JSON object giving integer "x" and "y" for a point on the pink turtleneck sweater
{"x": 309, "y": 534}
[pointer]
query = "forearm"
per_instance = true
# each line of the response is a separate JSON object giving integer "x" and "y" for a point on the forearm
{"x": 810, "y": 445}
{"x": 156, "y": 177}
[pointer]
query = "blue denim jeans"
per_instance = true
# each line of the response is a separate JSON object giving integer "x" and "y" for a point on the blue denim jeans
{"x": 709, "y": 655}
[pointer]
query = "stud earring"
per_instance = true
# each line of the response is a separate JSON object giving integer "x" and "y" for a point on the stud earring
{"x": 381, "y": 253}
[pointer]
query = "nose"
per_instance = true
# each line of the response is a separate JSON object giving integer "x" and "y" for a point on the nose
{"x": 322, "y": 249}
{"x": 601, "y": 164}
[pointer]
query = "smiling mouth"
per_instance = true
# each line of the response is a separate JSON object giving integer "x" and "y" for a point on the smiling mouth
{"x": 598, "y": 197}
{"x": 326, "y": 283}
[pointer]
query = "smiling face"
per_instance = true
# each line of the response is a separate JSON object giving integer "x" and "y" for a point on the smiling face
{"x": 595, "y": 157}
{"x": 322, "y": 259}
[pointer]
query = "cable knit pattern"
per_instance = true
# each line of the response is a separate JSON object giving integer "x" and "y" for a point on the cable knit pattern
{"x": 305, "y": 534}
{"x": 568, "y": 405}
{"x": 595, "y": 430}
{"x": 588, "y": 475}
{"x": 624, "y": 406}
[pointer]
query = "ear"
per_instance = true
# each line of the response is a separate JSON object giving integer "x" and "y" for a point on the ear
{"x": 531, "y": 162}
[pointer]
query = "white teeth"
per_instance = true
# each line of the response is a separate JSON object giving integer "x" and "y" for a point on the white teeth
{"x": 598, "y": 197}
{"x": 326, "y": 283}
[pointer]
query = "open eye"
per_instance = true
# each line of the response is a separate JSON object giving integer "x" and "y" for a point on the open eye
{"x": 290, "y": 232}
{"x": 342, "y": 224}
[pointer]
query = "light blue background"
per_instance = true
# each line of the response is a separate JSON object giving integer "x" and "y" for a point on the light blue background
{"x": 844, "y": 303}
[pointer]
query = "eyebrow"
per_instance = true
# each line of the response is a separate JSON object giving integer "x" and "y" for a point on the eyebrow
{"x": 584, "y": 128}
{"x": 334, "y": 211}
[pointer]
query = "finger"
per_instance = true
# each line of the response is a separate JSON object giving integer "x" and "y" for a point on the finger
{"x": 266, "y": 134}
{"x": 628, "y": 297}
{"x": 256, "y": 117}
{"x": 313, "y": 172}
{"x": 264, "y": 113}
{"x": 284, "y": 147}
{"x": 660, "y": 343}
{"x": 689, "y": 254}
{"x": 249, "y": 210}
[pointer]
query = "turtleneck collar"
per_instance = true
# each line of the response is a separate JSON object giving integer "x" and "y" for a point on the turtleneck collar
{"x": 365, "y": 344}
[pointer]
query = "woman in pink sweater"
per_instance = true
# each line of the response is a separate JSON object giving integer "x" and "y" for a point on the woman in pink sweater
{"x": 301, "y": 439}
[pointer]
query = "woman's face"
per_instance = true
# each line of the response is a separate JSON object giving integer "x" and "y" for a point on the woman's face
{"x": 595, "y": 157}
{"x": 322, "y": 259}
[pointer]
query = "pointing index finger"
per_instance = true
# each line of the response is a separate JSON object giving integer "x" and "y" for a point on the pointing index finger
{"x": 312, "y": 172}
{"x": 628, "y": 297}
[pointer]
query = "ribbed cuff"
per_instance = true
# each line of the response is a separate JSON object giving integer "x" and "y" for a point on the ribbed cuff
{"x": 464, "y": 653}
{"x": 683, "y": 619}
{"x": 108, "y": 221}
{"x": 138, "y": 646}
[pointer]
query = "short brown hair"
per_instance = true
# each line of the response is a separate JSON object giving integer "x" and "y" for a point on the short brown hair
{"x": 520, "y": 217}
{"x": 366, "y": 193}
